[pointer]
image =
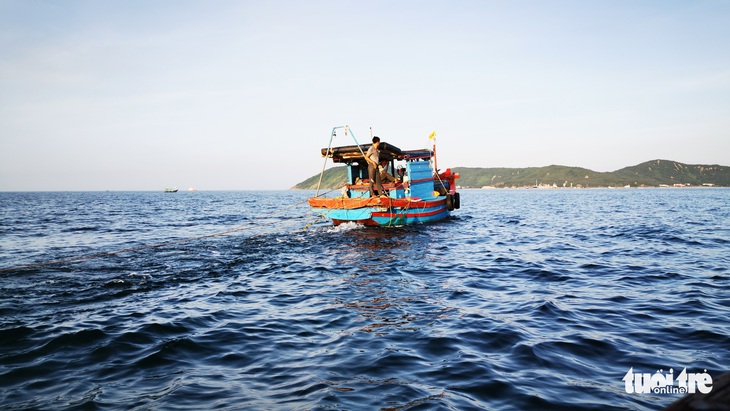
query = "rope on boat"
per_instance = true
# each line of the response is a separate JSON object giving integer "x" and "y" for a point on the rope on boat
{"x": 403, "y": 214}
{"x": 320, "y": 218}
{"x": 166, "y": 243}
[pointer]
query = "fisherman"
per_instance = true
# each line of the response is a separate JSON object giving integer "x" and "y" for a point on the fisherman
{"x": 373, "y": 159}
{"x": 385, "y": 176}
{"x": 402, "y": 178}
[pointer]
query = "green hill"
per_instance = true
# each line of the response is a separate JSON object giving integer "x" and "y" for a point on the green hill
{"x": 528, "y": 177}
{"x": 333, "y": 178}
{"x": 658, "y": 172}
{"x": 653, "y": 173}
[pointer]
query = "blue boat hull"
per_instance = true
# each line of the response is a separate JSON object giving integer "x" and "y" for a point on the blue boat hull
{"x": 423, "y": 212}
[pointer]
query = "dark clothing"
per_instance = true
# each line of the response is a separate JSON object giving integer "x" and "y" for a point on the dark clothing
{"x": 374, "y": 176}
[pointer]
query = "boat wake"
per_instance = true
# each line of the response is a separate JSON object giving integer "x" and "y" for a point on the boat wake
{"x": 345, "y": 227}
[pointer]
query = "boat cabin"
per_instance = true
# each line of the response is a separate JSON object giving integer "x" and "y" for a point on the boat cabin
{"x": 420, "y": 175}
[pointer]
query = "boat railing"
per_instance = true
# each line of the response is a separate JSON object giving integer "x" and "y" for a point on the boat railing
{"x": 395, "y": 190}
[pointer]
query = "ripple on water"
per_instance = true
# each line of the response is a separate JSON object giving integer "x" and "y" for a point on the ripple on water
{"x": 527, "y": 300}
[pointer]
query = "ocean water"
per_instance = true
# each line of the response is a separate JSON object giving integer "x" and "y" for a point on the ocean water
{"x": 522, "y": 300}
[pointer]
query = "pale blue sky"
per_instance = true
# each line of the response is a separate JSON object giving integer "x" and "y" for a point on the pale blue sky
{"x": 143, "y": 95}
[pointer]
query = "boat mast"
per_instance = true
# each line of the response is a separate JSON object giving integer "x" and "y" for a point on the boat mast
{"x": 327, "y": 154}
{"x": 329, "y": 147}
{"x": 432, "y": 136}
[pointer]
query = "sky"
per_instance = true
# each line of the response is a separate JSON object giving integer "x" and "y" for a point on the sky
{"x": 242, "y": 95}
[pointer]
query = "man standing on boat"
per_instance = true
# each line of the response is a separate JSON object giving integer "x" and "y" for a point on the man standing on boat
{"x": 373, "y": 159}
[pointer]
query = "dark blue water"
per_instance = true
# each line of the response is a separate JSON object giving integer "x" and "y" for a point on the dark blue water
{"x": 524, "y": 299}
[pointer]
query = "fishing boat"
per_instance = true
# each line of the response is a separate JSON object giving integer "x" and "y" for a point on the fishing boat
{"x": 171, "y": 190}
{"x": 422, "y": 195}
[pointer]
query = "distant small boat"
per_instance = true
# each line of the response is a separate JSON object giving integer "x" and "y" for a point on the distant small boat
{"x": 426, "y": 195}
{"x": 171, "y": 190}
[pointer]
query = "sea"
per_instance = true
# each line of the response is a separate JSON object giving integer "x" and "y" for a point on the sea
{"x": 524, "y": 299}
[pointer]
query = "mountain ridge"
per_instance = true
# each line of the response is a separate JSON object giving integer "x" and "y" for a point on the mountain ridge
{"x": 653, "y": 173}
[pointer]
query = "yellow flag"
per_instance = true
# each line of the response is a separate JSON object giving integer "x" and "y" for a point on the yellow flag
{"x": 432, "y": 135}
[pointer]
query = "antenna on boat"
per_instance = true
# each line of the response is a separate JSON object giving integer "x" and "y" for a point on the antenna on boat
{"x": 371, "y": 133}
{"x": 329, "y": 150}
{"x": 327, "y": 154}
